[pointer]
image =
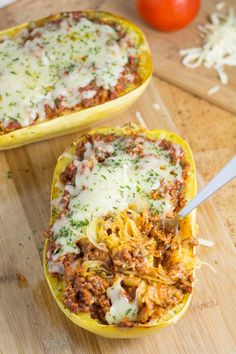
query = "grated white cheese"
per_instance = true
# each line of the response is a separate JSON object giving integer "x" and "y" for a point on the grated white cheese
{"x": 213, "y": 90}
{"x": 205, "y": 243}
{"x": 141, "y": 120}
{"x": 156, "y": 106}
{"x": 219, "y": 45}
{"x": 121, "y": 307}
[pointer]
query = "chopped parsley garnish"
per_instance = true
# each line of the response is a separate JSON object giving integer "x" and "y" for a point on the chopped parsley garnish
{"x": 128, "y": 311}
{"x": 79, "y": 223}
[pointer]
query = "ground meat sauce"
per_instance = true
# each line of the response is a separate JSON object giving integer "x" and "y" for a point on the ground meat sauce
{"x": 87, "y": 293}
{"x": 90, "y": 271}
{"x": 69, "y": 174}
{"x": 100, "y": 55}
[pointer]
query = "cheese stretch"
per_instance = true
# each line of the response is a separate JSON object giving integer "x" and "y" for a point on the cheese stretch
{"x": 121, "y": 307}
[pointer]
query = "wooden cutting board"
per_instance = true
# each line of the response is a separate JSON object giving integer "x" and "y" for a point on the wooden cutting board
{"x": 167, "y": 62}
{"x": 30, "y": 321}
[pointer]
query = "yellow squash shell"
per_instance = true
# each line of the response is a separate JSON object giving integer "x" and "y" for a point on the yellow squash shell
{"x": 188, "y": 225}
{"x": 72, "y": 121}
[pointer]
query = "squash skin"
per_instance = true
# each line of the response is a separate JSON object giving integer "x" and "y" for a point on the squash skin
{"x": 187, "y": 225}
{"x": 78, "y": 119}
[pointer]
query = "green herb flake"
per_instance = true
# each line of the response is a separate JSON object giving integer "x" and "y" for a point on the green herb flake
{"x": 79, "y": 223}
{"x": 127, "y": 312}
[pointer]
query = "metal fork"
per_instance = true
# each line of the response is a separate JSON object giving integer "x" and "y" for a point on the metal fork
{"x": 225, "y": 175}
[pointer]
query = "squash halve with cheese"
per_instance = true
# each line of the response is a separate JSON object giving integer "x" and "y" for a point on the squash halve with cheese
{"x": 64, "y": 72}
{"x": 111, "y": 267}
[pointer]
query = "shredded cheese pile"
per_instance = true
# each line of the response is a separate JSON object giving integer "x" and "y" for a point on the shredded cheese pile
{"x": 219, "y": 45}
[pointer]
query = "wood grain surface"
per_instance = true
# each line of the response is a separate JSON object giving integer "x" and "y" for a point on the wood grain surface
{"x": 30, "y": 321}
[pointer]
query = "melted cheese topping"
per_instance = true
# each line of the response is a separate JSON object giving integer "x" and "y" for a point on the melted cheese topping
{"x": 121, "y": 307}
{"x": 111, "y": 186}
{"x": 54, "y": 62}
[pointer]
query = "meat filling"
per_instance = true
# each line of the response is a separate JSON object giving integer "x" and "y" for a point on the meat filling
{"x": 131, "y": 246}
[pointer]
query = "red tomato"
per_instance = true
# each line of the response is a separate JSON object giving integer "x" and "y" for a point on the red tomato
{"x": 168, "y": 15}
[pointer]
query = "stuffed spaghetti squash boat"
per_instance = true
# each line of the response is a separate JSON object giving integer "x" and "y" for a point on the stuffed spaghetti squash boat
{"x": 77, "y": 67}
{"x": 111, "y": 267}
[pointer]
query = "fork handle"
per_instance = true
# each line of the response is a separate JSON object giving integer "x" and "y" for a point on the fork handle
{"x": 225, "y": 175}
